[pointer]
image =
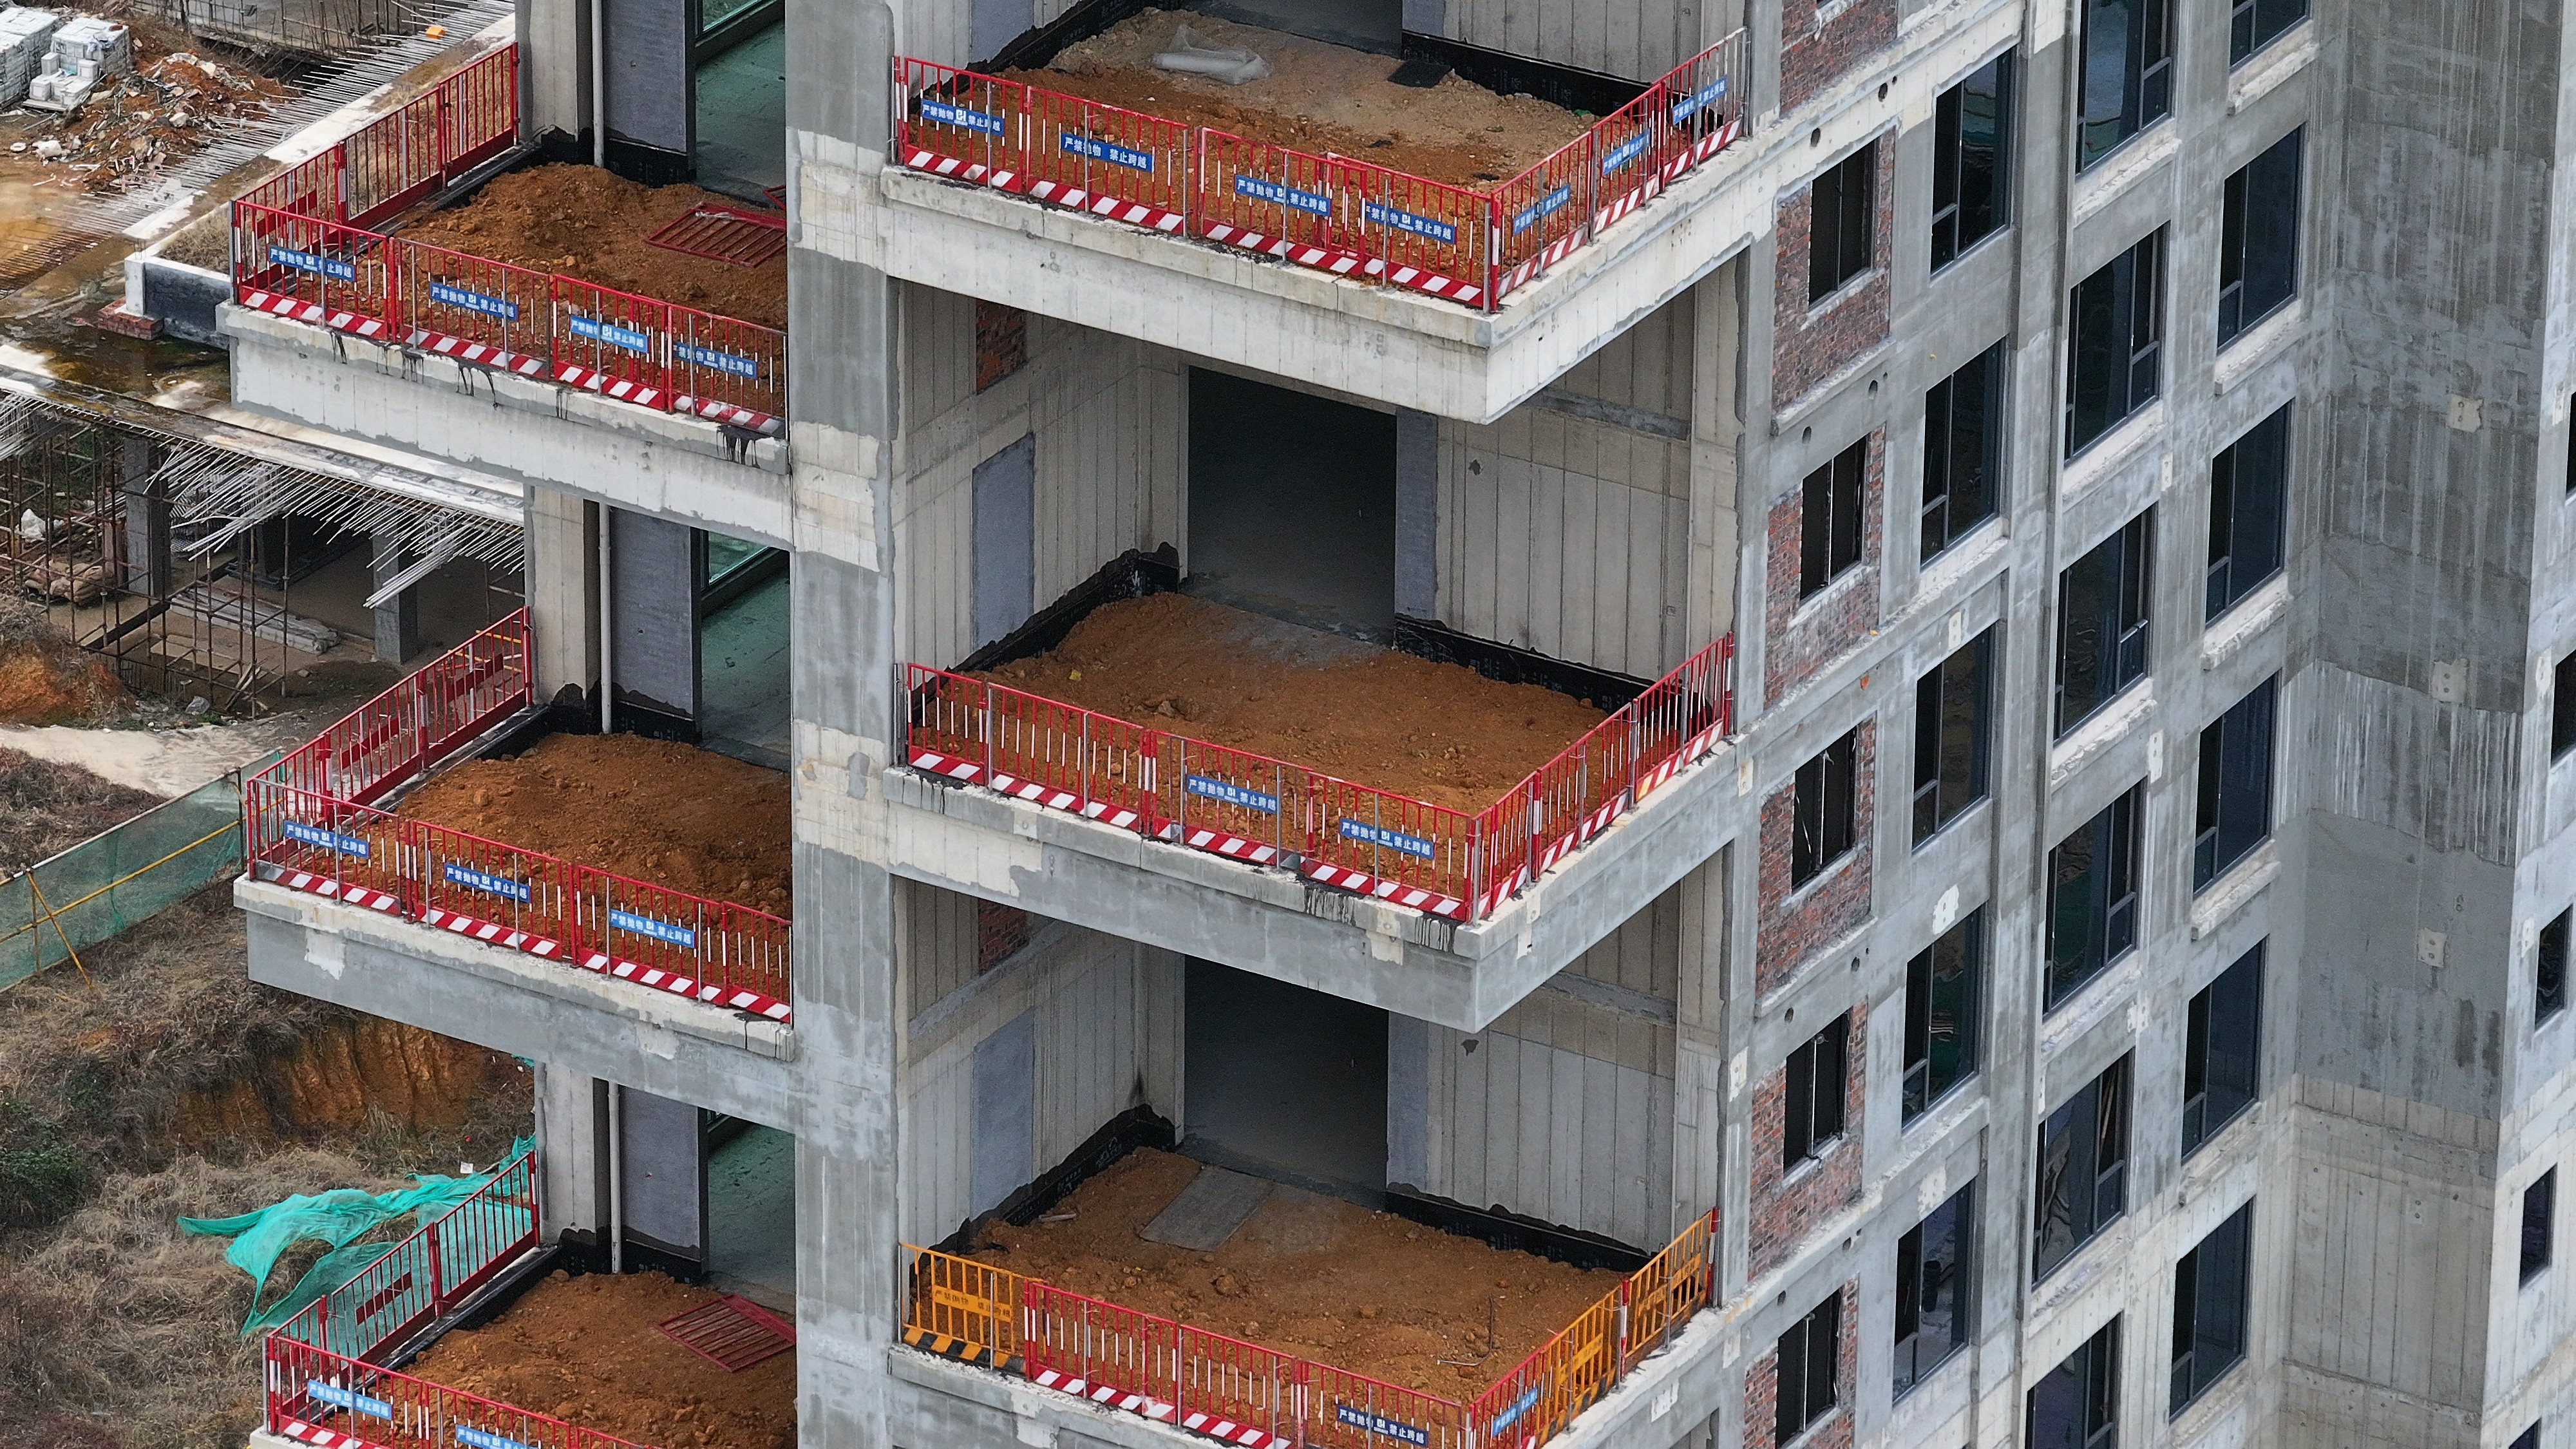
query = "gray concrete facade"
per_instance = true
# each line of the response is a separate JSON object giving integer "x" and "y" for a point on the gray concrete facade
{"x": 1599, "y": 1052}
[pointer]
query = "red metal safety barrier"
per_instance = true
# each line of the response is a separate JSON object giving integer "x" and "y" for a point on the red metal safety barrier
{"x": 316, "y": 271}
{"x": 729, "y": 955}
{"x": 1331, "y": 213}
{"x": 483, "y": 311}
{"x": 421, "y": 720}
{"x": 403, "y": 155}
{"x": 333, "y": 1401}
{"x": 493, "y": 892}
{"x": 1269, "y": 812}
{"x": 428, "y": 1273}
{"x": 329, "y": 846}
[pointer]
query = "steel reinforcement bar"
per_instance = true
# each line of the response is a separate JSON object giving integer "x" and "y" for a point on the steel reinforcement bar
{"x": 1252, "y": 808}
{"x": 1328, "y": 212}
{"x": 309, "y": 823}
{"x": 1167, "y": 1371}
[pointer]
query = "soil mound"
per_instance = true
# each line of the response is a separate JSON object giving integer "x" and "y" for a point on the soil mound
{"x": 47, "y": 807}
{"x": 46, "y": 679}
{"x": 650, "y": 810}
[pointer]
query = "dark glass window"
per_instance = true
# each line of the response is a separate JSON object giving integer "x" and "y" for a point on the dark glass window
{"x": 2562, "y": 706}
{"x": 1829, "y": 520}
{"x": 2221, "y": 1049}
{"x": 2257, "y": 23}
{"x": 2258, "y": 246}
{"x": 1950, "y": 736}
{"x": 2248, "y": 485}
{"x": 1972, "y": 160}
{"x": 2209, "y": 1307}
{"x": 2118, "y": 319}
{"x": 1807, "y": 1361}
{"x": 1932, "y": 1290}
{"x": 2083, "y": 1168}
{"x": 2093, "y": 897}
{"x": 2539, "y": 1202}
{"x": 1824, "y": 811}
{"x": 2549, "y": 969}
{"x": 2529, "y": 1438}
{"x": 2102, "y": 602}
{"x": 2127, "y": 81}
{"x": 2234, "y": 813}
{"x": 1816, "y": 1078}
{"x": 1963, "y": 450}
{"x": 1843, "y": 219}
{"x": 2078, "y": 1405}
{"x": 1944, "y": 994}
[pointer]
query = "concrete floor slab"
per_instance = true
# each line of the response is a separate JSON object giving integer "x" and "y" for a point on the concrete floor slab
{"x": 742, "y": 116}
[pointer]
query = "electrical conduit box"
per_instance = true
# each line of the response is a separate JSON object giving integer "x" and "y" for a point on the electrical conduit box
{"x": 26, "y": 44}
{"x": 86, "y": 52}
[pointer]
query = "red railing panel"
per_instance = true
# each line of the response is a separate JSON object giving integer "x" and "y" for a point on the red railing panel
{"x": 1232, "y": 802}
{"x": 327, "y": 845}
{"x": 1345, "y": 1410}
{"x": 613, "y": 342}
{"x": 316, "y": 263}
{"x": 482, "y": 111}
{"x": 311, "y": 1389}
{"x": 1398, "y": 845}
{"x": 456, "y": 295}
{"x": 466, "y": 882}
{"x": 1081, "y": 153}
{"x": 957, "y": 123}
{"x": 712, "y": 950}
{"x": 717, "y": 363}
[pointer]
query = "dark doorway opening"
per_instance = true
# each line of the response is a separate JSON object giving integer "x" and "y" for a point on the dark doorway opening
{"x": 1283, "y": 1080}
{"x": 1292, "y": 506}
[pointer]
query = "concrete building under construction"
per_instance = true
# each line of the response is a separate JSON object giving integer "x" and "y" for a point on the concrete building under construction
{"x": 1328, "y": 588}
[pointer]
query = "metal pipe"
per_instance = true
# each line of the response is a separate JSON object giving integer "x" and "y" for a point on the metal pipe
{"x": 598, "y": 86}
{"x": 616, "y": 1174}
{"x": 607, "y": 623}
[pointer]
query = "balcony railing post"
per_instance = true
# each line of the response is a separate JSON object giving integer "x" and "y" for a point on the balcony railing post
{"x": 437, "y": 1268}
{"x": 988, "y": 735}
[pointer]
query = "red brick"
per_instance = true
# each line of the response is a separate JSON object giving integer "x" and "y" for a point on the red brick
{"x": 1762, "y": 1389}
{"x": 1793, "y": 925}
{"x": 1001, "y": 342}
{"x": 1800, "y": 637}
{"x": 1821, "y": 42}
{"x": 1000, "y": 931}
{"x": 1812, "y": 343}
{"x": 1786, "y": 1209}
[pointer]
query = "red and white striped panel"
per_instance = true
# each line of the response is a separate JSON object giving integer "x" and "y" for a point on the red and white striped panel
{"x": 1492, "y": 900}
{"x": 950, "y": 166}
{"x": 296, "y": 309}
{"x": 949, "y": 765}
{"x": 573, "y": 374}
{"x": 1690, "y": 752}
{"x": 321, "y": 1438}
{"x": 1218, "y": 842}
{"x": 1055, "y": 797}
{"x": 493, "y": 931}
{"x": 1158, "y": 1411}
{"x": 725, "y": 412}
{"x": 481, "y": 354}
{"x": 1619, "y": 206}
{"x": 678, "y": 984}
{"x": 1134, "y": 213}
{"x": 323, "y": 885}
{"x": 1394, "y": 892}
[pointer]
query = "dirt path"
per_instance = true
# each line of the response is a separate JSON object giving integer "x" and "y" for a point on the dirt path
{"x": 165, "y": 763}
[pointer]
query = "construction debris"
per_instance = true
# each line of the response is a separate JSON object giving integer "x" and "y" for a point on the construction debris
{"x": 118, "y": 125}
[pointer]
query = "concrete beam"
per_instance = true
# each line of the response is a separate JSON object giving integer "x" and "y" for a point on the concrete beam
{"x": 1273, "y": 923}
{"x": 562, "y": 1016}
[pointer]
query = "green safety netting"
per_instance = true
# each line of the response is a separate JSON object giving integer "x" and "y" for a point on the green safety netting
{"x": 337, "y": 1217}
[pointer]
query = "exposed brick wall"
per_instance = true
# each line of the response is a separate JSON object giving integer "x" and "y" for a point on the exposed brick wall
{"x": 1810, "y": 344}
{"x": 1798, "y": 640}
{"x": 1001, "y": 342}
{"x": 1785, "y": 1209}
{"x": 1820, "y": 40}
{"x": 1793, "y": 928}
{"x": 1762, "y": 1389}
{"x": 999, "y": 932}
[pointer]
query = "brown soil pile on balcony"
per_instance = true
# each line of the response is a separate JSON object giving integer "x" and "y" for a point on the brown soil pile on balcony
{"x": 1309, "y": 1275}
{"x": 585, "y": 1349}
{"x": 1376, "y": 717}
{"x": 1317, "y": 98}
{"x": 586, "y": 223}
{"x": 650, "y": 810}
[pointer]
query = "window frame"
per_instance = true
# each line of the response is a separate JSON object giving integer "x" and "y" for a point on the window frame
{"x": 2233, "y": 995}
{"x": 1951, "y": 206}
{"x": 1824, "y": 810}
{"x": 1848, "y": 251}
{"x": 1811, "y": 1122}
{"x": 1918, "y": 1089}
{"x": 2146, "y": 78}
{"x": 2112, "y": 838}
{"x": 2233, "y": 526}
{"x": 2197, "y": 1302}
{"x": 2562, "y": 706}
{"x": 2093, "y": 1370}
{"x": 2235, "y": 749}
{"x": 1942, "y": 453}
{"x": 2243, "y": 190}
{"x": 2539, "y": 1235}
{"x": 1813, "y": 1342}
{"x": 2094, "y": 1185}
{"x": 2131, "y": 283}
{"x": 1935, "y": 807}
{"x": 1833, "y": 520}
{"x": 2244, "y": 19}
{"x": 2122, "y": 619}
{"x": 1915, "y": 1288}
{"x": 2549, "y": 968}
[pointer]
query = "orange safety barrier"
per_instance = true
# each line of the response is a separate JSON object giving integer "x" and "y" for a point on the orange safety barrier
{"x": 1173, "y": 1373}
{"x": 315, "y": 1396}
{"x": 1333, "y": 213}
{"x": 1269, "y": 812}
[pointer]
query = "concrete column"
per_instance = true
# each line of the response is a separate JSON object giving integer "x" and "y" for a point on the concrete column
{"x": 554, "y": 56}
{"x": 562, "y": 589}
{"x": 572, "y": 1158}
{"x": 397, "y": 618}
{"x": 1717, "y": 433}
{"x": 1417, "y": 515}
{"x": 145, "y": 539}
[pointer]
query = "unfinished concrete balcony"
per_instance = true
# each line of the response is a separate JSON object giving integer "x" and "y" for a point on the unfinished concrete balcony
{"x": 450, "y": 857}
{"x": 418, "y": 285}
{"x": 1386, "y": 825}
{"x": 1440, "y": 242}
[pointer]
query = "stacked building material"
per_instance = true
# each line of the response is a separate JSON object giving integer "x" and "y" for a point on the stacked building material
{"x": 26, "y": 43}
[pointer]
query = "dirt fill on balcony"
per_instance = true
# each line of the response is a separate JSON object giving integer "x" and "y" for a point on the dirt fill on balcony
{"x": 1437, "y": 732}
{"x": 585, "y": 1349}
{"x": 650, "y": 810}
{"x": 585, "y": 223}
{"x": 1317, "y": 98}
{"x": 1308, "y": 1275}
